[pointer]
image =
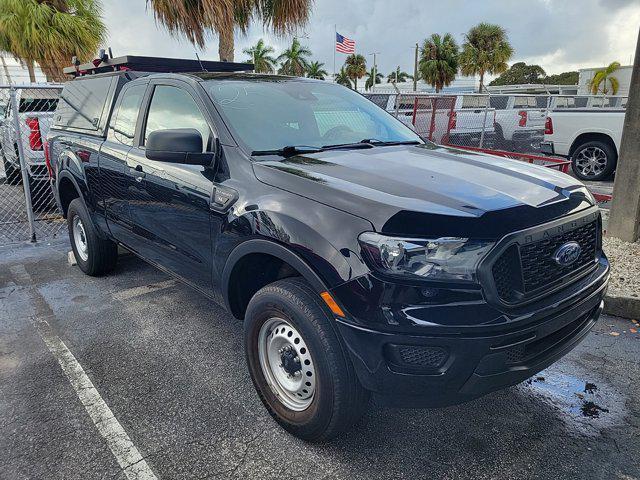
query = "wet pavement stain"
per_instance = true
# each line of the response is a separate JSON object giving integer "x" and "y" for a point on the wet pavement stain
{"x": 586, "y": 406}
{"x": 590, "y": 409}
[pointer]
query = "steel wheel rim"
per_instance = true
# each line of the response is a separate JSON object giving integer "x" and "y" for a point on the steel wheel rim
{"x": 279, "y": 345}
{"x": 80, "y": 239}
{"x": 591, "y": 161}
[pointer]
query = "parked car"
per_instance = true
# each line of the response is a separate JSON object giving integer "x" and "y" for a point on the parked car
{"x": 519, "y": 122}
{"x": 361, "y": 259}
{"x": 589, "y": 137}
{"x": 35, "y": 111}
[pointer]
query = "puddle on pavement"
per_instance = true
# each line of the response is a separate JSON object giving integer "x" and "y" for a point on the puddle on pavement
{"x": 587, "y": 405}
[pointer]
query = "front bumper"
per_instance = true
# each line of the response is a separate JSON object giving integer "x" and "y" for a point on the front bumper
{"x": 444, "y": 366}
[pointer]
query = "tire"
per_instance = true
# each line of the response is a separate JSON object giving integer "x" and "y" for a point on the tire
{"x": 337, "y": 399}
{"x": 500, "y": 142}
{"x": 12, "y": 173}
{"x": 95, "y": 256}
{"x": 584, "y": 156}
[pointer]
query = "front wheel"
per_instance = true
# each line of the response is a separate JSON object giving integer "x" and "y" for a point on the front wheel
{"x": 298, "y": 364}
{"x": 594, "y": 161}
{"x": 95, "y": 256}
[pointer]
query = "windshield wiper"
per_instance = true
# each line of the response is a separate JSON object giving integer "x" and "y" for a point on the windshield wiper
{"x": 346, "y": 146}
{"x": 288, "y": 151}
{"x": 376, "y": 142}
{"x": 369, "y": 143}
{"x": 291, "y": 150}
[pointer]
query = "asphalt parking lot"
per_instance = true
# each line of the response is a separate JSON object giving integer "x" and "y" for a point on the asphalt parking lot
{"x": 169, "y": 365}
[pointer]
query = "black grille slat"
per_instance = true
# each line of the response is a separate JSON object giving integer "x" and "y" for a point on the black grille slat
{"x": 525, "y": 270}
{"x": 506, "y": 273}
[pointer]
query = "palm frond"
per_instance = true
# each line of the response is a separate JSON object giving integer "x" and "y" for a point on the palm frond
{"x": 50, "y": 33}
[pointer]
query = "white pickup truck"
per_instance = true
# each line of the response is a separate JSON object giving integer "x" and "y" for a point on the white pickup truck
{"x": 443, "y": 119}
{"x": 589, "y": 137}
{"x": 35, "y": 116}
{"x": 519, "y": 121}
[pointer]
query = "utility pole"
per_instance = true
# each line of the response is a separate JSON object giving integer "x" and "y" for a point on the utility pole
{"x": 415, "y": 70}
{"x": 624, "y": 222}
{"x": 374, "y": 71}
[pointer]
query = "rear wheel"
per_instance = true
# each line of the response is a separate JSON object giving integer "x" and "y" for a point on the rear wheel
{"x": 594, "y": 160}
{"x": 12, "y": 173}
{"x": 298, "y": 364}
{"x": 95, "y": 256}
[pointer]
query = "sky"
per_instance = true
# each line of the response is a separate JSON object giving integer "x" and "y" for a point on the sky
{"x": 559, "y": 35}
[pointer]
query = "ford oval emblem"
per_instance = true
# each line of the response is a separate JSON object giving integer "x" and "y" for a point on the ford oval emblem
{"x": 567, "y": 254}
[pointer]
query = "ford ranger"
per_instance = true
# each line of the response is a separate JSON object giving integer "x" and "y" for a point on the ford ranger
{"x": 361, "y": 259}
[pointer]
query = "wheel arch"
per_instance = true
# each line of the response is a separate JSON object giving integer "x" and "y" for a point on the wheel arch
{"x": 264, "y": 261}
{"x": 68, "y": 190}
{"x": 592, "y": 137}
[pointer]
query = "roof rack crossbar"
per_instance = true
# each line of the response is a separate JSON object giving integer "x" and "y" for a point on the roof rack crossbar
{"x": 153, "y": 64}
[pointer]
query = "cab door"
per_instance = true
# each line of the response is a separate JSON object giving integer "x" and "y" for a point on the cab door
{"x": 111, "y": 186}
{"x": 169, "y": 203}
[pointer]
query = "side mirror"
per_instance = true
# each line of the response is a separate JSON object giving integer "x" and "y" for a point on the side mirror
{"x": 178, "y": 145}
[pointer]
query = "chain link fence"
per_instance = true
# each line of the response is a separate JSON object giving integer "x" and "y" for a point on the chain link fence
{"x": 501, "y": 122}
{"x": 27, "y": 207}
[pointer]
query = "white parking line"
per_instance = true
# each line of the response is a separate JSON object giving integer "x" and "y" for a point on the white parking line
{"x": 137, "y": 291}
{"x": 123, "y": 449}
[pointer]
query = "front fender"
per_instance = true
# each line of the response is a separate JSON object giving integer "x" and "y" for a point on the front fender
{"x": 325, "y": 245}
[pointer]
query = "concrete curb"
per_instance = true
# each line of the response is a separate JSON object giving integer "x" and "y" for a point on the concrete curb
{"x": 625, "y": 307}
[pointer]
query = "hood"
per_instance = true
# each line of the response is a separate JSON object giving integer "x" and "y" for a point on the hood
{"x": 380, "y": 182}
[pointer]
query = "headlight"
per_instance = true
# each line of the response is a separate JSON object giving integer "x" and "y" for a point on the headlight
{"x": 444, "y": 259}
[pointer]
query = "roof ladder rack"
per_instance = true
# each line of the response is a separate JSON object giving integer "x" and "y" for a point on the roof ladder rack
{"x": 152, "y": 64}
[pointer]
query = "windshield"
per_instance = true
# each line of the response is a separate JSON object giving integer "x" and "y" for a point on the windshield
{"x": 273, "y": 114}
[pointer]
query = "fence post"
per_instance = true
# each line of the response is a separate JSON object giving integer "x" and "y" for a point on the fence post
{"x": 23, "y": 163}
{"x": 398, "y": 100}
{"x": 484, "y": 123}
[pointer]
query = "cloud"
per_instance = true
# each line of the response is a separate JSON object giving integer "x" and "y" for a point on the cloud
{"x": 558, "y": 34}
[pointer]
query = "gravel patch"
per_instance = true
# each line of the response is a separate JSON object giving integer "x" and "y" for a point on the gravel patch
{"x": 625, "y": 267}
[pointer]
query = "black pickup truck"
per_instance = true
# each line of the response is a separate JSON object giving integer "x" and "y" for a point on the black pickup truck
{"x": 361, "y": 259}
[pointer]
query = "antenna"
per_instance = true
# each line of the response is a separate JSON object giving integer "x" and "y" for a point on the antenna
{"x": 200, "y": 62}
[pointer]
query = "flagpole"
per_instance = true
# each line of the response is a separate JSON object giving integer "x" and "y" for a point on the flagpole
{"x": 335, "y": 36}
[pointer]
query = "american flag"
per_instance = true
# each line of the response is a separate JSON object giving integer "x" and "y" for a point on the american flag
{"x": 344, "y": 44}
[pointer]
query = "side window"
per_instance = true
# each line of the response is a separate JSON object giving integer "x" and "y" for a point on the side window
{"x": 172, "y": 107}
{"x": 123, "y": 127}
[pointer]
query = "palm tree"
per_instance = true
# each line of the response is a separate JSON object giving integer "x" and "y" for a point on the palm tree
{"x": 369, "y": 83}
{"x": 398, "y": 76}
{"x": 316, "y": 70}
{"x": 439, "y": 60}
{"x": 603, "y": 76}
{"x": 342, "y": 78}
{"x": 50, "y": 32}
{"x": 261, "y": 57}
{"x": 194, "y": 19}
{"x": 356, "y": 66}
{"x": 294, "y": 61}
{"x": 486, "y": 50}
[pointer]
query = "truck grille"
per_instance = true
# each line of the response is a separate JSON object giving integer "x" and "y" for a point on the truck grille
{"x": 523, "y": 271}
